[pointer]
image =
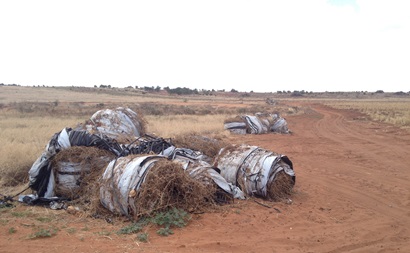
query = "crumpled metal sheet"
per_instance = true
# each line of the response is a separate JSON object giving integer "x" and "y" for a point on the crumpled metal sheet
{"x": 125, "y": 175}
{"x": 236, "y": 127}
{"x": 280, "y": 126}
{"x": 120, "y": 178}
{"x": 255, "y": 125}
{"x": 120, "y": 123}
{"x": 258, "y": 124}
{"x": 194, "y": 162}
{"x": 252, "y": 168}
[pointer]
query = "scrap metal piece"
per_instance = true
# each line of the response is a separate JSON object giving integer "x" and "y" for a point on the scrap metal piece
{"x": 252, "y": 168}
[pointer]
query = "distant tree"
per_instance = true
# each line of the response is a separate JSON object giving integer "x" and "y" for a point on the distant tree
{"x": 279, "y": 92}
{"x": 379, "y": 91}
{"x": 233, "y": 90}
{"x": 95, "y": 86}
{"x": 146, "y": 88}
{"x": 296, "y": 94}
{"x": 182, "y": 91}
{"x": 157, "y": 89}
{"x": 400, "y": 93}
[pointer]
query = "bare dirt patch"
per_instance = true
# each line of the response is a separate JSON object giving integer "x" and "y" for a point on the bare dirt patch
{"x": 352, "y": 194}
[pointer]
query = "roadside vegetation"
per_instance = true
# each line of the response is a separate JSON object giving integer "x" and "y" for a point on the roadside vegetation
{"x": 396, "y": 112}
{"x": 29, "y": 117}
{"x": 26, "y": 126}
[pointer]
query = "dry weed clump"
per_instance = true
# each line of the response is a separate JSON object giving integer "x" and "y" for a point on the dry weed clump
{"x": 208, "y": 145}
{"x": 167, "y": 185}
{"x": 234, "y": 119}
{"x": 89, "y": 163}
{"x": 281, "y": 187}
{"x": 173, "y": 125}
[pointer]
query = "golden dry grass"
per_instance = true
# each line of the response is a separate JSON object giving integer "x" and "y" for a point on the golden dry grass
{"x": 396, "y": 112}
{"x": 24, "y": 137}
{"x": 23, "y": 140}
{"x": 171, "y": 126}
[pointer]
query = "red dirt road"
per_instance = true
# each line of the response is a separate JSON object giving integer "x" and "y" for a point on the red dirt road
{"x": 352, "y": 194}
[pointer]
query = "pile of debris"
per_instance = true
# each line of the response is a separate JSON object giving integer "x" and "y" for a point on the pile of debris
{"x": 258, "y": 172}
{"x": 110, "y": 160}
{"x": 257, "y": 124}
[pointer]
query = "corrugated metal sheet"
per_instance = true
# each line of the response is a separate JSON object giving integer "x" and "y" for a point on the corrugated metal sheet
{"x": 258, "y": 124}
{"x": 204, "y": 172}
{"x": 252, "y": 168}
{"x": 121, "y": 177}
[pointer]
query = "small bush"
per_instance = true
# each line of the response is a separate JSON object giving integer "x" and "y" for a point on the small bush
{"x": 172, "y": 218}
{"x": 143, "y": 237}
{"x": 43, "y": 233}
{"x": 134, "y": 227}
{"x": 165, "y": 231}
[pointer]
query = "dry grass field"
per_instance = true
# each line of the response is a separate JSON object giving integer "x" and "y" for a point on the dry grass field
{"x": 29, "y": 116}
{"x": 343, "y": 162}
{"x": 393, "y": 111}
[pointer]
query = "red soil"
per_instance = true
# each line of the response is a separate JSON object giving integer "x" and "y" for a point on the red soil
{"x": 352, "y": 194}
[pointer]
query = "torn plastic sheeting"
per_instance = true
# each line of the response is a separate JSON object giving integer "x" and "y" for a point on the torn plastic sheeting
{"x": 117, "y": 124}
{"x": 121, "y": 177}
{"x": 252, "y": 168}
{"x": 41, "y": 176}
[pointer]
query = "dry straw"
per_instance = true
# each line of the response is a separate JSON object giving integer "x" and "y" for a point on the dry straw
{"x": 281, "y": 187}
{"x": 92, "y": 162}
{"x": 208, "y": 145}
{"x": 167, "y": 185}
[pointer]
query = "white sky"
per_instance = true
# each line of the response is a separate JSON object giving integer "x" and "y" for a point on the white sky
{"x": 247, "y": 45}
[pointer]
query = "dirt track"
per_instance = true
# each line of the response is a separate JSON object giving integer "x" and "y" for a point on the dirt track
{"x": 352, "y": 195}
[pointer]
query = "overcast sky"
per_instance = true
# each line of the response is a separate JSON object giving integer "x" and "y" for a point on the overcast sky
{"x": 252, "y": 45}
